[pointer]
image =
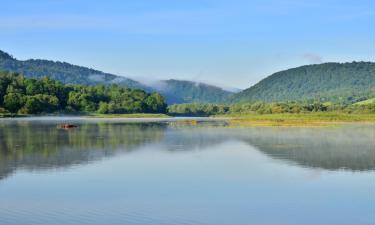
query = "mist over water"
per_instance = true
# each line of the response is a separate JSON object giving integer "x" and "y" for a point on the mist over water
{"x": 171, "y": 172}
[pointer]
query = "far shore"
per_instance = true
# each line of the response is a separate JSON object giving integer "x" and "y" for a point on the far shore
{"x": 131, "y": 115}
{"x": 284, "y": 119}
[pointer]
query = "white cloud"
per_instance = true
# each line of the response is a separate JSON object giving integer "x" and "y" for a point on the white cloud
{"x": 97, "y": 77}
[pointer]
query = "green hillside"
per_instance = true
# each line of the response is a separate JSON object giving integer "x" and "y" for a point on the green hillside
{"x": 62, "y": 71}
{"x": 336, "y": 82}
{"x": 179, "y": 91}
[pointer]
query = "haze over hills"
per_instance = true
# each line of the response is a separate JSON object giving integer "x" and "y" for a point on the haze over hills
{"x": 62, "y": 71}
{"x": 175, "y": 91}
{"x": 180, "y": 91}
{"x": 337, "y": 82}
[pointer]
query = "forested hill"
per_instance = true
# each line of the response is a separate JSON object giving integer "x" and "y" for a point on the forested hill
{"x": 34, "y": 96}
{"x": 62, "y": 71}
{"x": 337, "y": 82}
{"x": 175, "y": 91}
{"x": 180, "y": 91}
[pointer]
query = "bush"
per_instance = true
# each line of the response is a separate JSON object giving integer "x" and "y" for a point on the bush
{"x": 3, "y": 111}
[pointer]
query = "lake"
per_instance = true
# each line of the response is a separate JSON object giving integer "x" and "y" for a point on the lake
{"x": 174, "y": 172}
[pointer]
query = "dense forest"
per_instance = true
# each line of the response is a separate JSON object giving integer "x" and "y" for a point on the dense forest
{"x": 328, "y": 82}
{"x": 175, "y": 91}
{"x": 34, "y": 96}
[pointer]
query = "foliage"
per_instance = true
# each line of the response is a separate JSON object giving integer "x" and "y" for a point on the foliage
{"x": 266, "y": 108}
{"x": 3, "y": 111}
{"x": 335, "y": 82}
{"x": 33, "y": 96}
{"x": 195, "y": 109}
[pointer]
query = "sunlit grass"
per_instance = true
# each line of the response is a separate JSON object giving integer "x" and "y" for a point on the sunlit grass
{"x": 366, "y": 102}
{"x": 300, "y": 119}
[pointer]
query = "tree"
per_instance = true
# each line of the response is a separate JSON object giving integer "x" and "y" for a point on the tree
{"x": 13, "y": 102}
{"x": 40, "y": 103}
{"x": 156, "y": 103}
{"x": 103, "y": 108}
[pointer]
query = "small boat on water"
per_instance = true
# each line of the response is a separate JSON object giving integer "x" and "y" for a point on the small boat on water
{"x": 67, "y": 126}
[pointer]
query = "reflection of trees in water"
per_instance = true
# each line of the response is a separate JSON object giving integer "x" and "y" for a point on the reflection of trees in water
{"x": 5, "y": 169}
{"x": 42, "y": 145}
{"x": 348, "y": 148}
{"x": 37, "y": 146}
{"x": 327, "y": 148}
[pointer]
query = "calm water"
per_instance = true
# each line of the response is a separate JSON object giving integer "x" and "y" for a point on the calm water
{"x": 162, "y": 172}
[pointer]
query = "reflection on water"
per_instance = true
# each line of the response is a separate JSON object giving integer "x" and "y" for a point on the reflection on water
{"x": 175, "y": 172}
{"x": 37, "y": 145}
{"x": 347, "y": 148}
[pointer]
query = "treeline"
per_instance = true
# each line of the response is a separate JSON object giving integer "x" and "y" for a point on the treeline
{"x": 266, "y": 108}
{"x": 34, "y": 96}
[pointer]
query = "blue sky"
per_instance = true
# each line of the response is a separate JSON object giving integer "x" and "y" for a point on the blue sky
{"x": 229, "y": 43}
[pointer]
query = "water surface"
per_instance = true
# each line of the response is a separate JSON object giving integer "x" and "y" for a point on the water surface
{"x": 166, "y": 171}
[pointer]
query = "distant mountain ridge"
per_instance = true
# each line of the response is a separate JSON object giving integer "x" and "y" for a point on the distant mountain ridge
{"x": 62, "y": 71}
{"x": 181, "y": 91}
{"x": 338, "y": 82}
{"x": 175, "y": 91}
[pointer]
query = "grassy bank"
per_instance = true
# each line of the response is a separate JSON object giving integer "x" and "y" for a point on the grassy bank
{"x": 133, "y": 115}
{"x": 300, "y": 119}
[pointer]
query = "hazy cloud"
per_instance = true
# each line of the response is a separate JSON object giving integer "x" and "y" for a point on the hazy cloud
{"x": 97, "y": 77}
{"x": 118, "y": 80}
{"x": 312, "y": 58}
{"x": 156, "y": 84}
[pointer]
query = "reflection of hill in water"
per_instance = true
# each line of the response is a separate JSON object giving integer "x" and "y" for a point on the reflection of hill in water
{"x": 328, "y": 148}
{"x": 349, "y": 148}
{"x": 40, "y": 146}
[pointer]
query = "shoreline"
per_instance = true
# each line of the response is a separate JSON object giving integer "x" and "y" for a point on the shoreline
{"x": 285, "y": 119}
{"x": 130, "y": 116}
